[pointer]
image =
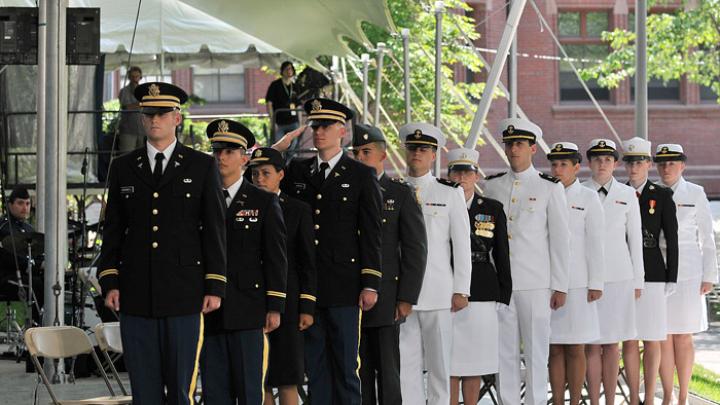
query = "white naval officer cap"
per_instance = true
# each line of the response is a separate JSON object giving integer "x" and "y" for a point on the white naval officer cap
{"x": 667, "y": 152}
{"x": 636, "y": 148}
{"x": 564, "y": 150}
{"x": 602, "y": 147}
{"x": 463, "y": 159}
{"x": 518, "y": 129}
{"x": 421, "y": 133}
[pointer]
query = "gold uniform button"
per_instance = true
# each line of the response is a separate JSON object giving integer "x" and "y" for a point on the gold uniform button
{"x": 198, "y": 262}
{"x": 344, "y": 198}
{"x": 319, "y": 196}
{"x": 155, "y": 228}
{"x": 384, "y": 220}
{"x": 154, "y": 245}
{"x": 187, "y": 195}
{"x": 317, "y": 226}
{"x": 154, "y": 211}
{"x": 396, "y": 278}
{"x": 317, "y": 242}
{"x": 247, "y": 226}
{"x": 352, "y": 260}
{"x": 257, "y": 285}
{"x": 509, "y": 236}
{"x": 317, "y": 212}
{"x": 514, "y": 200}
{"x": 156, "y": 194}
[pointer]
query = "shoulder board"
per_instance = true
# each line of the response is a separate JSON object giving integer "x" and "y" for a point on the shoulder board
{"x": 447, "y": 182}
{"x": 549, "y": 178}
{"x": 495, "y": 176}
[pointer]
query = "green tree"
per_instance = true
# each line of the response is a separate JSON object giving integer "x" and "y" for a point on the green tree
{"x": 685, "y": 42}
{"x": 419, "y": 18}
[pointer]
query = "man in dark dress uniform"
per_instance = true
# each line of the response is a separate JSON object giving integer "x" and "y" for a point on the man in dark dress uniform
{"x": 15, "y": 224}
{"x": 346, "y": 200}
{"x": 162, "y": 263}
{"x": 235, "y": 354}
{"x": 658, "y": 216}
{"x": 404, "y": 257}
{"x": 286, "y": 367}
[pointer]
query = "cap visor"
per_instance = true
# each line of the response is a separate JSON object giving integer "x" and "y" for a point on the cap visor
{"x": 156, "y": 110}
{"x": 225, "y": 145}
{"x": 321, "y": 123}
{"x": 463, "y": 168}
{"x": 635, "y": 158}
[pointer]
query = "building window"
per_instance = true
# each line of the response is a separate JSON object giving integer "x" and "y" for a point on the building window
{"x": 225, "y": 85}
{"x": 707, "y": 94}
{"x": 580, "y": 33}
{"x": 658, "y": 90}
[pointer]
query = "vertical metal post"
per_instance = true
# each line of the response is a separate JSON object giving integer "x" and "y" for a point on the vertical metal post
{"x": 641, "y": 90}
{"x": 512, "y": 76}
{"x": 365, "y": 59}
{"x": 40, "y": 101}
{"x": 513, "y": 20}
{"x": 334, "y": 75}
{"x": 405, "y": 33}
{"x": 439, "y": 9}
{"x": 378, "y": 81}
{"x": 55, "y": 169}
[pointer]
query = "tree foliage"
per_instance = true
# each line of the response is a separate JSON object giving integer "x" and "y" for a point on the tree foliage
{"x": 419, "y": 18}
{"x": 685, "y": 42}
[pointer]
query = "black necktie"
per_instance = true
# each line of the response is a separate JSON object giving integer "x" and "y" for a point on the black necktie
{"x": 602, "y": 190}
{"x": 320, "y": 175}
{"x": 158, "y": 170}
{"x": 226, "y": 194}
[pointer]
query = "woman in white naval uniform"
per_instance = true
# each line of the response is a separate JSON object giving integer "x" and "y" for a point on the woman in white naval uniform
{"x": 576, "y": 323}
{"x": 426, "y": 334}
{"x": 624, "y": 270}
{"x": 697, "y": 271}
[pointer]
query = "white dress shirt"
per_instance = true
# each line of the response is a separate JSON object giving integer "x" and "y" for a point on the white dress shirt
{"x": 332, "y": 162}
{"x": 232, "y": 190}
{"x": 152, "y": 151}
{"x": 587, "y": 241}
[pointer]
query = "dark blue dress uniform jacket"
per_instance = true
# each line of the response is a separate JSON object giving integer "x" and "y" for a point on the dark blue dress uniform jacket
{"x": 164, "y": 244}
{"x": 347, "y": 222}
{"x": 257, "y": 261}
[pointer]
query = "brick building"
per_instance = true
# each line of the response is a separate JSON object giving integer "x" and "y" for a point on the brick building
{"x": 550, "y": 95}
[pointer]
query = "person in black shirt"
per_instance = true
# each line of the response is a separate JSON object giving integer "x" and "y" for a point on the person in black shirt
{"x": 282, "y": 95}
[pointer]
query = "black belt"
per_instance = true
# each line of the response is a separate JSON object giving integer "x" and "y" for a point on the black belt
{"x": 480, "y": 257}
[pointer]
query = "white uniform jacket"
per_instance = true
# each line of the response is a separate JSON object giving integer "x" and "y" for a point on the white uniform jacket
{"x": 538, "y": 232}
{"x": 587, "y": 237}
{"x": 696, "y": 240}
{"x": 448, "y": 235}
{"x": 623, "y": 234}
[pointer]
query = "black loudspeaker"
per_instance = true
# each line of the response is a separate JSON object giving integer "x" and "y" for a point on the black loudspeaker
{"x": 83, "y": 36}
{"x": 18, "y": 35}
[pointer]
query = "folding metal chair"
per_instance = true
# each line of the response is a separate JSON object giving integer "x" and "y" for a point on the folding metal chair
{"x": 59, "y": 342}
{"x": 109, "y": 341}
{"x": 489, "y": 388}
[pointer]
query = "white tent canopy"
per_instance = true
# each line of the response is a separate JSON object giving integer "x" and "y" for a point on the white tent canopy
{"x": 303, "y": 29}
{"x": 180, "y": 33}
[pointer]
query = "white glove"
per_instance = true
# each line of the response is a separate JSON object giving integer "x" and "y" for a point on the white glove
{"x": 670, "y": 289}
{"x": 499, "y": 306}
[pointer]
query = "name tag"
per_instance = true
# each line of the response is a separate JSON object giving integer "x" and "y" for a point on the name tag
{"x": 436, "y": 204}
{"x": 127, "y": 189}
{"x": 300, "y": 186}
{"x": 577, "y": 208}
{"x": 686, "y": 205}
{"x": 620, "y": 202}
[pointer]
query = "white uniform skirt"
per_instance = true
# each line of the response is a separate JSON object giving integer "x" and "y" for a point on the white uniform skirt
{"x": 687, "y": 309}
{"x": 475, "y": 340}
{"x": 616, "y": 312}
{"x": 651, "y": 312}
{"x": 576, "y": 322}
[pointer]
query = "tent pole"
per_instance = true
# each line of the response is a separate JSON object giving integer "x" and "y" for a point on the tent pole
{"x": 55, "y": 171}
{"x": 406, "y": 72}
{"x": 641, "y": 82}
{"x": 439, "y": 8}
{"x": 494, "y": 77}
{"x": 40, "y": 101}
{"x": 365, "y": 59}
{"x": 380, "y": 49}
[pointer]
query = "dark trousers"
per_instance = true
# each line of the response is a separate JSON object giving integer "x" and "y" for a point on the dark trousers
{"x": 331, "y": 356}
{"x": 380, "y": 361}
{"x": 233, "y": 367}
{"x": 162, "y": 353}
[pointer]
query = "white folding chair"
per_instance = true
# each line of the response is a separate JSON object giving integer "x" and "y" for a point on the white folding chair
{"x": 109, "y": 341}
{"x": 59, "y": 342}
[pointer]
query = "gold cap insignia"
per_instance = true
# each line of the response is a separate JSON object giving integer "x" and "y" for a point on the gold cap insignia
{"x": 510, "y": 129}
{"x": 365, "y": 136}
{"x": 558, "y": 147}
{"x": 316, "y": 105}
{"x": 418, "y": 134}
{"x": 223, "y": 126}
{"x": 602, "y": 144}
{"x": 631, "y": 147}
{"x": 154, "y": 90}
{"x": 464, "y": 156}
{"x": 258, "y": 153}
{"x": 664, "y": 149}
